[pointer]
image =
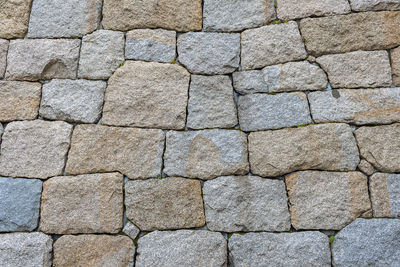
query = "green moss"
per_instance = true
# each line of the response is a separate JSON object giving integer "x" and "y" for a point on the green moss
{"x": 173, "y": 61}
{"x": 275, "y": 5}
{"x": 278, "y": 21}
{"x": 331, "y": 238}
{"x": 121, "y": 64}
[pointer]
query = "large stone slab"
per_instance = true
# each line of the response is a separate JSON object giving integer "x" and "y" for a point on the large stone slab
{"x": 182, "y": 248}
{"x": 363, "y": 5}
{"x": 147, "y": 94}
{"x": 385, "y": 194}
{"x": 34, "y": 149}
{"x": 270, "y": 45}
{"x": 14, "y": 18}
{"x": 395, "y": 60}
{"x": 136, "y": 153}
{"x": 291, "y": 9}
{"x": 330, "y": 147}
{"x": 280, "y": 249}
{"x": 3, "y": 56}
{"x": 206, "y": 154}
{"x": 246, "y": 203}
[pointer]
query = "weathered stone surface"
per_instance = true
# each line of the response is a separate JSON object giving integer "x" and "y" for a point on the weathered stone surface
{"x": 374, "y": 242}
{"x": 25, "y": 250}
{"x": 283, "y": 249}
{"x": 171, "y": 203}
{"x": 19, "y": 201}
{"x": 3, "y": 56}
{"x": 330, "y": 147}
{"x": 182, "y": 248}
{"x": 272, "y": 44}
{"x": 14, "y": 17}
{"x": 366, "y": 167}
{"x": 206, "y": 154}
{"x": 395, "y": 57}
{"x": 72, "y": 100}
{"x": 93, "y": 250}
{"x": 19, "y": 100}
{"x": 101, "y": 54}
{"x": 34, "y": 149}
{"x": 151, "y": 45}
{"x": 131, "y": 230}
{"x": 263, "y": 111}
{"x": 63, "y": 18}
{"x": 179, "y": 15}
{"x": 211, "y": 103}
{"x": 147, "y": 94}
{"x": 1, "y": 131}
{"x": 357, "y": 69}
{"x": 358, "y": 31}
{"x": 363, "y": 5}
{"x": 136, "y": 153}
{"x": 246, "y": 203}
{"x": 385, "y": 194}
{"x": 291, "y": 9}
{"x": 380, "y": 146}
{"x": 42, "y": 59}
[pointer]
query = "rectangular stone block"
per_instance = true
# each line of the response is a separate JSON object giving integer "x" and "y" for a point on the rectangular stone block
{"x": 363, "y": 5}
{"x": 292, "y": 9}
{"x": 3, "y": 56}
{"x": 385, "y": 194}
{"x": 14, "y": 18}
{"x": 395, "y": 60}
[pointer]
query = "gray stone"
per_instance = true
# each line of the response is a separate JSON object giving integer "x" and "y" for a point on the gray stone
{"x": 280, "y": 249}
{"x": 209, "y": 53}
{"x": 72, "y": 100}
{"x": 14, "y": 17}
{"x": 1, "y": 131}
{"x": 211, "y": 103}
{"x": 363, "y": 5}
{"x": 63, "y": 18}
{"x": 251, "y": 81}
{"x": 101, "y": 54}
{"x": 291, "y": 9}
{"x": 385, "y": 194}
{"x": 395, "y": 60}
{"x": 3, "y": 56}
{"x": 19, "y": 202}
{"x": 263, "y": 111}
{"x": 246, "y": 203}
{"x": 151, "y": 45}
{"x": 42, "y": 59}
{"x": 366, "y": 167}
{"x": 206, "y": 154}
{"x": 131, "y": 230}
{"x": 182, "y": 248}
{"x": 374, "y": 242}
{"x": 357, "y": 69}
{"x": 25, "y": 250}
{"x": 272, "y": 44}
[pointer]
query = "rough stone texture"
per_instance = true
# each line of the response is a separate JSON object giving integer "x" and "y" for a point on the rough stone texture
{"x": 283, "y": 249}
{"x": 101, "y": 54}
{"x": 135, "y": 153}
{"x": 246, "y": 203}
{"x": 363, "y": 5}
{"x": 330, "y": 147}
{"x": 380, "y": 146}
{"x": 395, "y": 57}
{"x": 211, "y": 103}
{"x": 131, "y": 230}
{"x": 182, "y": 248}
{"x": 362, "y": 106}
{"x": 357, "y": 69}
{"x": 291, "y": 9}
{"x": 147, "y": 94}
{"x": 374, "y": 242}
{"x": 358, "y": 31}
{"x": 206, "y": 154}
{"x": 1, "y": 131}
{"x": 42, "y": 59}
{"x": 3, "y": 56}
{"x": 14, "y": 18}
{"x": 272, "y": 44}
{"x": 263, "y": 111}
{"x": 19, "y": 100}
{"x": 19, "y": 204}
{"x": 34, "y": 149}
{"x": 385, "y": 194}
{"x": 179, "y": 15}
{"x": 25, "y": 250}
{"x": 93, "y": 250}
{"x": 366, "y": 167}
{"x": 72, "y": 100}
{"x": 63, "y": 18}
{"x": 171, "y": 203}
{"x": 151, "y": 45}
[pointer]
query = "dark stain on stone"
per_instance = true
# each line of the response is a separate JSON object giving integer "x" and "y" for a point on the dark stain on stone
{"x": 335, "y": 93}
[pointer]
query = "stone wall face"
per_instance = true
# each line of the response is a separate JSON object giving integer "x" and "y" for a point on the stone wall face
{"x": 199, "y": 133}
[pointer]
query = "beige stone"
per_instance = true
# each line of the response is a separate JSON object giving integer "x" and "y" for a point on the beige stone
{"x": 3, "y": 56}
{"x": 395, "y": 57}
{"x": 366, "y": 167}
{"x": 385, "y": 194}
{"x": 14, "y": 18}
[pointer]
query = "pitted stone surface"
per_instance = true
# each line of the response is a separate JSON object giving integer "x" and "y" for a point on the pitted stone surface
{"x": 3, "y": 56}
{"x": 395, "y": 60}
{"x": 291, "y": 9}
{"x": 363, "y": 5}
{"x": 14, "y": 18}
{"x": 385, "y": 194}
{"x": 131, "y": 230}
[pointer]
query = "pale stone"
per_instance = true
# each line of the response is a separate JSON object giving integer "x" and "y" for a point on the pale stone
{"x": 3, "y": 56}
{"x": 252, "y": 81}
{"x": 14, "y": 18}
{"x": 1, "y": 131}
{"x": 292, "y": 9}
{"x": 385, "y": 194}
{"x": 366, "y": 167}
{"x": 363, "y": 5}
{"x": 395, "y": 60}
{"x": 131, "y": 230}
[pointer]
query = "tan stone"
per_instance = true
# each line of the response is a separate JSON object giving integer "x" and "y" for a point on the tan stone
{"x": 379, "y": 195}
{"x": 3, "y": 56}
{"x": 14, "y": 18}
{"x": 395, "y": 57}
{"x": 366, "y": 167}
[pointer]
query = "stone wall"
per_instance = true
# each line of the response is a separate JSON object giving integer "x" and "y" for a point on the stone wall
{"x": 199, "y": 133}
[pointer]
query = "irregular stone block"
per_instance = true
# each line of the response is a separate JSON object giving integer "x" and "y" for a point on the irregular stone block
{"x": 363, "y": 5}
{"x": 182, "y": 248}
{"x": 14, "y": 18}
{"x": 19, "y": 201}
{"x": 263, "y": 111}
{"x": 19, "y": 100}
{"x": 272, "y": 44}
{"x": 34, "y": 149}
{"x": 171, "y": 203}
{"x": 131, "y": 230}
{"x": 72, "y": 100}
{"x": 136, "y": 153}
{"x": 3, "y": 56}
{"x": 151, "y": 45}
{"x": 206, "y": 154}
{"x": 357, "y": 69}
{"x": 147, "y": 94}
{"x": 178, "y": 15}
{"x": 395, "y": 60}
{"x": 291, "y": 9}
{"x": 329, "y": 147}
{"x": 101, "y": 54}
{"x": 385, "y": 194}
{"x": 211, "y": 103}
{"x": 283, "y": 249}
{"x": 42, "y": 59}
{"x": 366, "y": 167}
